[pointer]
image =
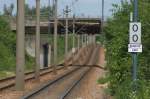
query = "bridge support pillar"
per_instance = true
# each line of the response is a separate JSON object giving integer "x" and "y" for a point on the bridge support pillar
{"x": 49, "y": 55}
{"x": 45, "y": 55}
{"x": 82, "y": 39}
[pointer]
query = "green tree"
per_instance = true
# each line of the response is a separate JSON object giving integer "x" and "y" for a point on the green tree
{"x": 46, "y": 11}
{"x": 7, "y": 46}
{"x": 8, "y": 10}
{"x": 118, "y": 58}
{"x": 8, "y": 50}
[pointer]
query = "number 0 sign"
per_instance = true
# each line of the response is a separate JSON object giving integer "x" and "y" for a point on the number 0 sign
{"x": 135, "y": 33}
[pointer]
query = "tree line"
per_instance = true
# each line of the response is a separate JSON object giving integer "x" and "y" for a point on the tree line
{"x": 119, "y": 61}
{"x": 29, "y": 11}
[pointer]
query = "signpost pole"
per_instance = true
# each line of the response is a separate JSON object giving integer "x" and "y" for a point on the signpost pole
{"x": 102, "y": 23}
{"x": 134, "y": 54}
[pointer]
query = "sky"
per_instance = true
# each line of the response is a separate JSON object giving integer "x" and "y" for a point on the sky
{"x": 90, "y": 8}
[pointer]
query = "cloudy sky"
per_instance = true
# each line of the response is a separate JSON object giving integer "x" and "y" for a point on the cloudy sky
{"x": 90, "y": 8}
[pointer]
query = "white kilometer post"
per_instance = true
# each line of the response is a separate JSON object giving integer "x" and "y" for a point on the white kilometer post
{"x": 135, "y": 37}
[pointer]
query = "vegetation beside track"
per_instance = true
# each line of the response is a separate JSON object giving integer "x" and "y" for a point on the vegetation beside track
{"x": 119, "y": 61}
{"x": 8, "y": 49}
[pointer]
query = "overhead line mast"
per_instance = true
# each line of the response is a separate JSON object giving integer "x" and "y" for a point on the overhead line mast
{"x": 37, "y": 45}
{"x": 66, "y": 11}
{"x": 20, "y": 47}
{"x": 55, "y": 35}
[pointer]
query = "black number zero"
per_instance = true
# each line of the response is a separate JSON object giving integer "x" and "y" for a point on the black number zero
{"x": 135, "y": 28}
{"x": 135, "y": 38}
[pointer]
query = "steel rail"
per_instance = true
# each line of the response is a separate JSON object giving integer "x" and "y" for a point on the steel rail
{"x": 43, "y": 87}
{"x": 74, "y": 84}
{"x": 48, "y": 69}
{"x": 78, "y": 81}
{"x": 26, "y": 79}
{"x": 27, "y": 73}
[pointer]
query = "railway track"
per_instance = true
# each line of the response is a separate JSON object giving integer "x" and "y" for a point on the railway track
{"x": 70, "y": 93}
{"x": 61, "y": 87}
{"x": 74, "y": 85}
{"x": 10, "y": 81}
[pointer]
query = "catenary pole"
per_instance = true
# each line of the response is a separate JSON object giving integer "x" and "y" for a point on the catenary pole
{"x": 102, "y": 23}
{"x": 55, "y": 36}
{"x": 66, "y": 11}
{"x": 20, "y": 50}
{"x": 73, "y": 31}
{"x": 66, "y": 31}
{"x": 37, "y": 45}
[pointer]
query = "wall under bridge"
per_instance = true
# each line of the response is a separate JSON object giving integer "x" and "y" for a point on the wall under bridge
{"x": 44, "y": 40}
{"x": 30, "y": 47}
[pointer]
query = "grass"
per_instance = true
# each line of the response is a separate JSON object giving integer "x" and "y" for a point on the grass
{"x": 103, "y": 80}
{"x": 4, "y": 74}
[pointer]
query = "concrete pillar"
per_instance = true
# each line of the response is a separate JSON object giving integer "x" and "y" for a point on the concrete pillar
{"x": 66, "y": 32}
{"x": 45, "y": 55}
{"x": 20, "y": 49}
{"x": 55, "y": 37}
{"x": 94, "y": 38}
{"x": 82, "y": 39}
{"x": 73, "y": 38}
{"x": 78, "y": 37}
{"x": 49, "y": 55}
{"x": 37, "y": 43}
{"x": 86, "y": 39}
{"x": 89, "y": 38}
{"x": 73, "y": 31}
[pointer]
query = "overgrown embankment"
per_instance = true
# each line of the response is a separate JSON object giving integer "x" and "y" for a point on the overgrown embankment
{"x": 119, "y": 61}
{"x": 8, "y": 50}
